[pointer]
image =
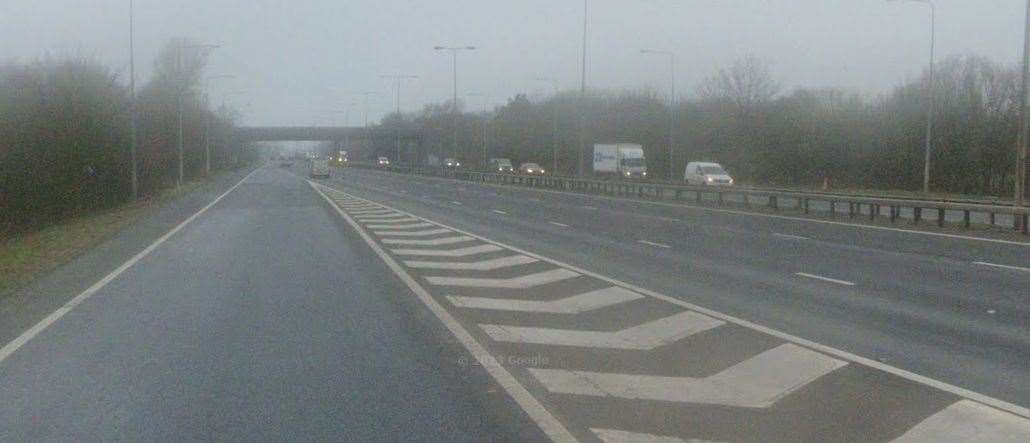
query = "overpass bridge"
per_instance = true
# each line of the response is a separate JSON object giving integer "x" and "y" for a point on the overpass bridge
{"x": 323, "y": 133}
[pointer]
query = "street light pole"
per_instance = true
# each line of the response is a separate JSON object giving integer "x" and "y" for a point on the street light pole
{"x": 554, "y": 117}
{"x": 1019, "y": 196}
{"x": 399, "y": 78}
{"x": 454, "y": 53}
{"x": 672, "y": 107}
{"x": 483, "y": 136}
{"x": 207, "y": 121}
{"x": 930, "y": 99}
{"x": 179, "y": 103}
{"x": 582, "y": 95}
{"x": 134, "y": 180}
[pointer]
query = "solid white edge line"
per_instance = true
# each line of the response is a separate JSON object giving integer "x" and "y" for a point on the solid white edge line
{"x": 752, "y": 214}
{"x": 536, "y": 411}
{"x": 29, "y": 334}
{"x": 1014, "y": 268}
{"x": 827, "y": 279}
{"x": 855, "y": 358}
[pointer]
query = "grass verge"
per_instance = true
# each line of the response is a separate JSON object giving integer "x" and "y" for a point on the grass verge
{"x": 26, "y": 256}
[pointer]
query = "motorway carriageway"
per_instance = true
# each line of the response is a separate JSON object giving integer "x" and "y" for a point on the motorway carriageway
{"x": 953, "y": 309}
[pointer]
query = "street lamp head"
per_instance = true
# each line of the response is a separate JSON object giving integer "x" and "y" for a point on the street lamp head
{"x": 470, "y": 47}
{"x": 439, "y": 48}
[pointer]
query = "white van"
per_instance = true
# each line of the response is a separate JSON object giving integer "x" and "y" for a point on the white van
{"x": 706, "y": 174}
{"x": 319, "y": 167}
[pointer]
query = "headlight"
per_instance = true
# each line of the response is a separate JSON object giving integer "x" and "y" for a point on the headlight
{"x": 644, "y": 173}
{"x": 627, "y": 173}
{"x": 708, "y": 179}
{"x": 731, "y": 181}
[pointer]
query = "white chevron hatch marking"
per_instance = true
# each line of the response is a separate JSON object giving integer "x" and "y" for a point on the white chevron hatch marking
{"x": 758, "y": 382}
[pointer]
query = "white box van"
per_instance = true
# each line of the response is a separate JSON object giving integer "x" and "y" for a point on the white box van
{"x": 622, "y": 159}
{"x": 319, "y": 167}
{"x": 706, "y": 174}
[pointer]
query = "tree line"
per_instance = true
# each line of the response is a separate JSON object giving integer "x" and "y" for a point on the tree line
{"x": 65, "y": 127}
{"x": 742, "y": 117}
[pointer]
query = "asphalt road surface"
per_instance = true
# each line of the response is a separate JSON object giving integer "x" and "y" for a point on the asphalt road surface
{"x": 378, "y": 306}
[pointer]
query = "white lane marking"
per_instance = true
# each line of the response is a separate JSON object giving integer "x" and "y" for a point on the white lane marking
{"x": 855, "y": 358}
{"x": 560, "y": 225}
{"x": 575, "y": 304}
{"x": 827, "y": 279}
{"x": 617, "y": 436}
{"x": 392, "y": 220}
{"x": 523, "y": 282}
{"x": 967, "y": 421}
{"x": 752, "y": 214}
{"x": 536, "y": 411}
{"x": 379, "y": 216}
{"x": 758, "y": 382}
{"x": 485, "y": 265}
{"x": 1014, "y": 268}
{"x": 372, "y": 212}
{"x": 463, "y": 252}
{"x": 642, "y": 337}
{"x": 651, "y": 243}
{"x": 590, "y": 208}
{"x": 411, "y": 226}
{"x": 498, "y": 211}
{"x": 29, "y": 334}
{"x": 791, "y": 237}
{"x": 426, "y": 233}
{"x": 432, "y": 242}
{"x": 456, "y": 203}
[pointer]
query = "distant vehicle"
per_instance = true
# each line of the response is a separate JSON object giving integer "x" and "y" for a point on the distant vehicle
{"x": 502, "y": 166}
{"x": 451, "y": 163}
{"x": 341, "y": 158}
{"x": 531, "y": 169}
{"x": 383, "y": 162}
{"x": 285, "y": 162}
{"x": 706, "y": 174}
{"x": 622, "y": 159}
{"x": 319, "y": 167}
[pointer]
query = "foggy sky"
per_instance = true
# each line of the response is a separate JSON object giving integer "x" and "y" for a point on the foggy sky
{"x": 299, "y": 61}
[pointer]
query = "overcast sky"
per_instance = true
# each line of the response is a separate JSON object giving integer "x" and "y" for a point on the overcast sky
{"x": 298, "y": 61}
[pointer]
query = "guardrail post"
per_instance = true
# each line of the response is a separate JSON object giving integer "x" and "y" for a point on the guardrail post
{"x": 917, "y": 214}
{"x": 804, "y": 203}
{"x": 1026, "y": 219}
{"x": 894, "y": 213}
{"x": 991, "y": 217}
{"x": 872, "y": 212}
{"x": 719, "y": 197}
{"x": 851, "y": 209}
{"x": 772, "y": 202}
{"x": 698, "y": 195}
{"x": 747, "y": 201}
{"x": 833, "y": 209}
{"x": 965, "y": 218}
{"x": 940, "y": 217}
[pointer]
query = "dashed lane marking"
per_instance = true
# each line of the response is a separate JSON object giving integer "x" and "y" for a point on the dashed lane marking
{"x": 651, "y": 243}
{"x": 826, "y": 279}
{"x": 643, "y": 337}
{"x": 485, "y": 265}
{"x": 498, "y": 211}
{"x": 575, "y": 304}
{"x": 790, "y": 237}
{"x": 995, "y": 265}
{"x": 560, "y": 225}
{"x": 758, "y": 382}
